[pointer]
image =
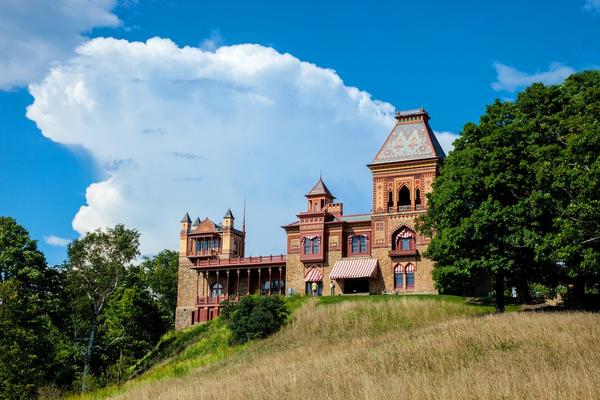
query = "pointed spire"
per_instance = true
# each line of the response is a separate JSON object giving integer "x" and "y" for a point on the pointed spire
{"x": 196, "y": 222}
{"x": 244, "y": 219}
{"x": 186, "y": 218}
{"x": 320, "y": 189}
{"x": 229, "y": 214}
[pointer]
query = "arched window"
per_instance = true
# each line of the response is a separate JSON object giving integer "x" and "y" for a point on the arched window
{"x": 418, "y": 199}
{"x": 359, "y": 244}
{"x": 403, "y": 239}
{"x": 217, "y": 289}
{"x": 316, "y": 206}
{"x": 266, "y": 286}
{"x": 404, "y": 197}
{"x": 399, "y": 277}
{"x": 322, "y": 203}
{"x": 390, "y": 200}
{"x": 410, "y": 276}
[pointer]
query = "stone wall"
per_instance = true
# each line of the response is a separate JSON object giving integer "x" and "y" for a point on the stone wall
{"x": 186, "y": 293}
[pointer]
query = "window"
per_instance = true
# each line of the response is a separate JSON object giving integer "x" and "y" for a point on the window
{"x": 204, "y": 245}
{"x": 404, "y": 243}
{"x": 390, "y": 200}
{"x": 316, "y": 206}
{"x": 418, "y": 198}
{"x": 359, "y": 244}
{"x": 404, "y": 197}
{"x": 217, "y": 289}
{"x": 398, "y": 276}
{"x": 322, "y": 203}
{"x": 410, "y": 276}
{"x": 312, "y": 245}
{"x": 266, "y": 287}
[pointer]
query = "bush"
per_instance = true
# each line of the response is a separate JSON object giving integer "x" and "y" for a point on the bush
{"x": 227, "y": 309}
{"x": 257, "y": 317}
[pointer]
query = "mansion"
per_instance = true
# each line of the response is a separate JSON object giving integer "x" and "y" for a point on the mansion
{"x": 377, "y": 252}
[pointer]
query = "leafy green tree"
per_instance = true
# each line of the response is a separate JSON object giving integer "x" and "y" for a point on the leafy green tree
{"x": 160, "y": 274}
{"x": 29, "y": 340}
{"x": 517, "y": 199}
{"x": 98, "y": 262}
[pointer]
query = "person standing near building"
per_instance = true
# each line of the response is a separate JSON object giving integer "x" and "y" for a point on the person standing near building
{"x": 332, "y": 288}
{"x": 314, "y": 288}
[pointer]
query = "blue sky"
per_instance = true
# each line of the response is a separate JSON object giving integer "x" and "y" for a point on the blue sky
{"x": 449, "y": 57}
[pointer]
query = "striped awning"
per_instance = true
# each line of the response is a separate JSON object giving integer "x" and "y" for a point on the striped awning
{"x": 313, "y": 275}
{"x": 354, "y": 268}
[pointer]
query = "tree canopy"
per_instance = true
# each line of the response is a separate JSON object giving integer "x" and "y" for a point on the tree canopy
{"x": 517, "y": 200}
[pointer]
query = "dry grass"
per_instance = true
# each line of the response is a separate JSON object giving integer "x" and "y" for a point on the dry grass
{"x": 409, "y": 348}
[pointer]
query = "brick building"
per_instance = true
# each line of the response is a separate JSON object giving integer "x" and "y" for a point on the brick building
{"x": 364, "y": 253}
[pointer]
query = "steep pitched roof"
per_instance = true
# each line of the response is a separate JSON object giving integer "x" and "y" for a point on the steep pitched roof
{"x": 207, "y": 226}
{"x": 229, "y": 214}
{"x": 410, "y": 139}
{"x": 196, "y": 222}
{"x": 320, "y": 189}
{"x": 186, "y": 218}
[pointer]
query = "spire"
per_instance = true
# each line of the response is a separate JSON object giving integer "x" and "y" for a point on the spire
{"x": 228, "y": 214}
{"x": 320, "y": 189}
{"x": 196, "y": 222}
{"x": 410, "y": 139}
{"x": 186, "y": 218}
{"x": 244, "y": 219}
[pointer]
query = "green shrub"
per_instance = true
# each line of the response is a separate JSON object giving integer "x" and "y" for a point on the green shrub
{"x": 227, "y": 309}
{"x": 257, "y": 317}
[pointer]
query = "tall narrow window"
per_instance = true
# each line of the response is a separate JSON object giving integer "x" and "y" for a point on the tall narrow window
{"x": 418, "y": 199}
{"x": 316, "y": 244}
{"x": 399, "y": 277}
{"x": 390, "y": 200}
{"x": 404, "y": 198}
{"x": 307, "y": 246}
{"x": 322, "y": 203}
{"x": 405, "y": 243}
{"x": 410, "y": 276}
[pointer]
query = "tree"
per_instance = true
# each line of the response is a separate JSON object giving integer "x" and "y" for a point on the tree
{"x": 28, "y": 336}
{"x": 160, "y": 274}
{"x": 98, "y": 262}
{"x": 517, "y": 199}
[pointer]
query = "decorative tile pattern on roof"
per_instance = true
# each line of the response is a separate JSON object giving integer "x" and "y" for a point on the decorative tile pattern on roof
{"x": 407, "y": 142}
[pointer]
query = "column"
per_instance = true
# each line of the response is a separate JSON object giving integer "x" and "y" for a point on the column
{"x": 270, "y": 282}
{"x": 279, "y": 285}
{"x": 197, "y": 283}
{"x": 259, "y": 283}
{"x": 219, "y": 284}
{"x": 227, "y": 285}
{"x": 248, "y": 290}
{"x": 238, "y": 283}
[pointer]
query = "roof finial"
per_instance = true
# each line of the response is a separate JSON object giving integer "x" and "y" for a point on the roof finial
{"x": 320, "y": 175}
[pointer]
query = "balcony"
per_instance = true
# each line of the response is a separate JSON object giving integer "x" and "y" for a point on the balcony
{"x": 406, "y": 208}
{"x": 203, "y": 253}
{"x": 403, "y": 252}
{"x": 276, "y": 260}
{"x": 208, "y": 300}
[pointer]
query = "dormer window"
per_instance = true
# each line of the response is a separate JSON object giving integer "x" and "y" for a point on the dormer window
{"x": 359, "y": 244}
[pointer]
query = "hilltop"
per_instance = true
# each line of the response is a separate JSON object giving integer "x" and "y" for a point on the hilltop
{"x": 380, "y": 347}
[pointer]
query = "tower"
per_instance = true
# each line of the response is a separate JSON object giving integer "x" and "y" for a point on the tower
{"x": 319, "y": 197}
{"x": 185, "y": 229}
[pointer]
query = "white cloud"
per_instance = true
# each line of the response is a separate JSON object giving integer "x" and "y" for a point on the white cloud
{"x": 36, "y": 33}
{"x": 592, "y": 5}
{"x": 182, "y": 129}
{"x": 446, "y": 140}
{"x": 510, "y": 79}
{"x": 56, "y": 241}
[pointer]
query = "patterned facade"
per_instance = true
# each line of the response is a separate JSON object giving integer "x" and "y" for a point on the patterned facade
{"x": 327, "y": 250}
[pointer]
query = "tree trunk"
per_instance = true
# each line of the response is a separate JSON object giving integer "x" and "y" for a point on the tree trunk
{"x": 500, "y": 291}
{"x": 88, "y": 355}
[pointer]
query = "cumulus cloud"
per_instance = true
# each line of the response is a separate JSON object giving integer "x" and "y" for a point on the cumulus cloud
{"x": 510, "y": 79}
{"x": 56, "y": 241}
{"x": 592, "y": 5}
{"x": 446, "y": 140}
{"x": 35, "y": 33}
{"x": 183, "y": 129}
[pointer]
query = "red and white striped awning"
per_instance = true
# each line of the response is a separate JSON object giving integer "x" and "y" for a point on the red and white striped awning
{"x": 354, "y": 268}
{"x": 313, "y": 275}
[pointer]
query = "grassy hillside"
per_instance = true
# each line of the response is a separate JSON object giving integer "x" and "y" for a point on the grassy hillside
{"x": 388, "y": 347}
